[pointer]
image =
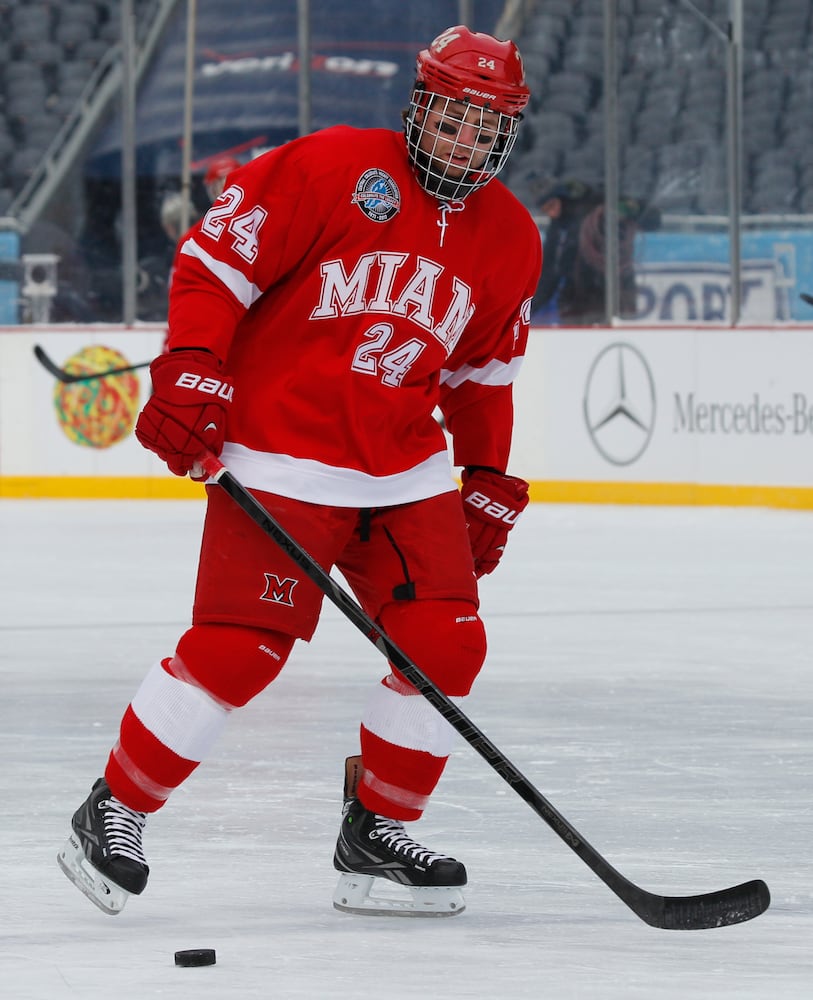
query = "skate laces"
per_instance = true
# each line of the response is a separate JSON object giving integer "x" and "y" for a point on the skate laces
{"x": 391, "y": 832}
{"x": 123, "y": 827}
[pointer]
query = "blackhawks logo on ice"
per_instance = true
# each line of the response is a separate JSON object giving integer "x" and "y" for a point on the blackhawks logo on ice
{"x": 377, "y": 195}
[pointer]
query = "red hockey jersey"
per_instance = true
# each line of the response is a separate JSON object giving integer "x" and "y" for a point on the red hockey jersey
{"x": 347, "y": 305}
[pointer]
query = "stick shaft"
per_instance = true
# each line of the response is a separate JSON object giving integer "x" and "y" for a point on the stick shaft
{"x": 670, "y": 912}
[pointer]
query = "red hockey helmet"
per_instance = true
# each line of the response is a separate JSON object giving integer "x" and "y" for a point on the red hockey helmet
{"x": 476, "y": 68}
{"x": 462, "y": 120}
{"x": 216, "y": 174}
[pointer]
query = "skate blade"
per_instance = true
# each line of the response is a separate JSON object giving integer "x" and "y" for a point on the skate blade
{"x": 109, "y": 897}
{"x": 353, "y": 895}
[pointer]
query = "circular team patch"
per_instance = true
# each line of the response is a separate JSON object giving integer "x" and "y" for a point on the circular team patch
{"x": 377, "y": 195}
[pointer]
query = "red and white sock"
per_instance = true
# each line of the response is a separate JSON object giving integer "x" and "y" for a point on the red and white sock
{"x": 167, "y": 730}
{"x": 405, "y": 744}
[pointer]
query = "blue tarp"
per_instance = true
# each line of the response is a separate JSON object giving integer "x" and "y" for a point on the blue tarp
{"x": 247, "y": 69}
{"x": 685, "y": 276}
{"x": 9, "y": 285}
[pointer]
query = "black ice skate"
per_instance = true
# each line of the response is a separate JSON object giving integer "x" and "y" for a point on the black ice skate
{"x": 374, "y": 852}
{"x": 103, "y": 856}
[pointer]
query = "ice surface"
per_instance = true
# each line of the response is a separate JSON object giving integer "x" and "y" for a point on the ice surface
{"x": 649, "y": 671}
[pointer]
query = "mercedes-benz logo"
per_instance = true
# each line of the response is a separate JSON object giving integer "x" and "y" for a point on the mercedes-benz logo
{"x": 619, "y": 403}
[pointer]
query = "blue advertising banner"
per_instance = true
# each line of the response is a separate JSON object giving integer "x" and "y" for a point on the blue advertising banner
{"x": 684, "y": 278}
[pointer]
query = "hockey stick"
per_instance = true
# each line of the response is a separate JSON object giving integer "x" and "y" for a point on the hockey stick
{"x": 712, "y": 909}
{"x": 806, "y": 298}
{"x": 70, "y": 377}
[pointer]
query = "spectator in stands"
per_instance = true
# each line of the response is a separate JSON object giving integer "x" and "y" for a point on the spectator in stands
{"x": 172, "y": 214}
{"x": 571, "y": 290}
{"x": 214, "y": 181}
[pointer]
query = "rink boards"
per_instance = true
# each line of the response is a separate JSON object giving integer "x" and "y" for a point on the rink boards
{"x": 675, "y": 415}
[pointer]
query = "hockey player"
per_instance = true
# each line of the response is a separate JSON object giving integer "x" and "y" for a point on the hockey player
{"x": 341, "y": 289}
{"x": 214, "y": 180}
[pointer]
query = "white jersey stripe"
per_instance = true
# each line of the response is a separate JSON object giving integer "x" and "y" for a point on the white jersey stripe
{"x": 314, "y": 482}
{"x": 494, "y": 373}
{"x": 241, "y": 288}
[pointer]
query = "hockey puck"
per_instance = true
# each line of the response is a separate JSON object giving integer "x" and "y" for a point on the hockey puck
{"x": 195, "y": 956}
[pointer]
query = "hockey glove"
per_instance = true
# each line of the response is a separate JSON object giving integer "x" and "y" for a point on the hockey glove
{"x": 186, "y": 414}
{"x": 492, "y": 504}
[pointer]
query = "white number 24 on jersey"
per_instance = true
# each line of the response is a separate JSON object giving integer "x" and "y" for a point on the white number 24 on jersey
{"x": 392, "y": 366}
{"x": 245, "y": 228}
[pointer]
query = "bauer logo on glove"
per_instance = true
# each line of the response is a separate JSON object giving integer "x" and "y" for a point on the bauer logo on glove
{"x": 212, "y": 386}
{"x": 492, "y": 509}
{"x": 492, "y": 504}
{"x": 185, "y": 416}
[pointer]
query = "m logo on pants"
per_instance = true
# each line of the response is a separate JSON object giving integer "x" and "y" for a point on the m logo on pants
{"x": 279, "y": 591}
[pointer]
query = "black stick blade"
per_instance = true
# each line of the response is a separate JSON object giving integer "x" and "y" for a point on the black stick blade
{"x": 712, "y": 909}
{"x": 70, "y": 377}
{"x": 49, "y": 365}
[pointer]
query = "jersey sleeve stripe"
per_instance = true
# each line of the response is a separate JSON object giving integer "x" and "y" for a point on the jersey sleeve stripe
{"x": 241, "y": 288}
{"x": 494, "y": 373}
